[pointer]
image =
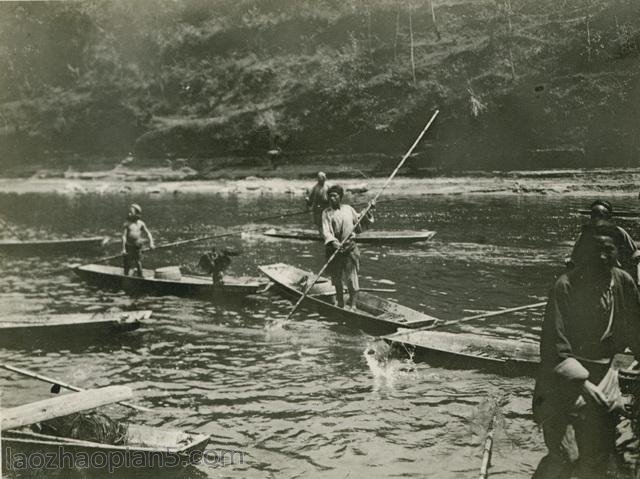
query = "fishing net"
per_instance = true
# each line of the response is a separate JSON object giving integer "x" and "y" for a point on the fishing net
{"x": 91, "y": 426}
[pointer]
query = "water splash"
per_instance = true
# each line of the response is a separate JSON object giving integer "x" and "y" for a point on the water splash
{"x": 276, "y": 326}
{"x": 386, "y": 364}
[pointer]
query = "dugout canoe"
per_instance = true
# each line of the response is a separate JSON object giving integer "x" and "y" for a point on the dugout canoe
{"x": 467, "y": 349}
{"x": 370, "y": 237}
{"x": 77, "y": 325}
{"x": 113, "y": 277}
{"x": 373, "y": 314}
{"x": 67, "y": 245}
{"x": 144, "y": 446}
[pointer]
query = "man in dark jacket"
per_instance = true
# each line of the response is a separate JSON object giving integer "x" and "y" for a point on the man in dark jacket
{"x": 593, "y": 313}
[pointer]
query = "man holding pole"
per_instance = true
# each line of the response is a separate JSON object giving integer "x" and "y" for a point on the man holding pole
{"x": 333, "y": 210}
{"x": 340, "y": 223}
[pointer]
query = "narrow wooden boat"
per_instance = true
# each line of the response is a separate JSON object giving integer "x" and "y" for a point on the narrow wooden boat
{"x": 373, "y": 313}
{"x": 468, "y": 348}
{"x": 21, "y": 433}
{"x": 371, "y": 237}
{"x": 79, "y": 324}
{"x": 67, "y": 245}
{"x": 113, "y": 277}
{"x": 144, "y": 446}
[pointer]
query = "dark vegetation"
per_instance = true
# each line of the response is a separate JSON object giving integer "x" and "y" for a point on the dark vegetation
{"x": 520, "y": 83}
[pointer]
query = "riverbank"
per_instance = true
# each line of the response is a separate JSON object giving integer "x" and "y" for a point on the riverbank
{"x": 608, "y": 182}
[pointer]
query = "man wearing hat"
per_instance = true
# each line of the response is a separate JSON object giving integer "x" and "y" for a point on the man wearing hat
{"x": 338, "y": 225}
{"x": 628, "y": 253}
{"x": 592, "y": 314}
{"x": 317, "y": 200}
{"x": 132, "y": 241}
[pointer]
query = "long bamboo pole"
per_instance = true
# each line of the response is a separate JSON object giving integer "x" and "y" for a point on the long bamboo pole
{"x": 440, "y": 324}
{"x": 62, "y": 384}
{"x": 236, "y": 230}
{"x": 486, "y": 315}
{"x": 207, "y": 237}
{"x": 364, "y": 213}
{"x": 239, "y": 229}
{"x": 488, "y": 446}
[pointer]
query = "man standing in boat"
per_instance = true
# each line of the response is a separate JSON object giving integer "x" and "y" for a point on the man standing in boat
{"x": 628, "y": 253}
{"x": 132, "y": 241}
{"x": 592, "y": 314}
{"x": 338, "y": 225}
{"x": 317, "y": 200}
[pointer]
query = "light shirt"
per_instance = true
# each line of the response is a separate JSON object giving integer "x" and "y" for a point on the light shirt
{"x": 338, "y": 224}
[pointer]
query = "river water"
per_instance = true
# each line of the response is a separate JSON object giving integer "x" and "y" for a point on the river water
{"x": 305, "y": 400}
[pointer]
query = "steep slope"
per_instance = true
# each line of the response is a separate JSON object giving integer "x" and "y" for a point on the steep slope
{"x": 521, "y": 84}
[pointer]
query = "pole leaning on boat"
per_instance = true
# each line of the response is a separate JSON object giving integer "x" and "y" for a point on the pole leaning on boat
{"x": 62, "y": 384}
{"x": 489, "y": 314}
{"x": 364, "y": 213}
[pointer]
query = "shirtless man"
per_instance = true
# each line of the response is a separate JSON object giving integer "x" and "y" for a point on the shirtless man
{"x": 132, "y": 241}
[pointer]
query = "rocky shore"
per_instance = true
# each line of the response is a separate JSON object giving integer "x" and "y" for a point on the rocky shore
{"x": 576, "y": 182}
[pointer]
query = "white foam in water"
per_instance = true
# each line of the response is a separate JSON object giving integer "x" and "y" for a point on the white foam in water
{"x": 385, "y": 368}
{"x": 274, "y": 325}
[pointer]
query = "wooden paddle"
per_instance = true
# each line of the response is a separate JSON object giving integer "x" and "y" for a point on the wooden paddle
{"x": 363, "y": 214}
{"x": 56, "y": 382}
{"x": 60, "y": 406}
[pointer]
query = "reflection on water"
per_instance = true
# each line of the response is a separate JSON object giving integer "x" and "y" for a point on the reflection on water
{"x": 314, "y": 398}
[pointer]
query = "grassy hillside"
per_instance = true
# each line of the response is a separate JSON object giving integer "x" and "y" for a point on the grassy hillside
{"x": 520, "y": 83}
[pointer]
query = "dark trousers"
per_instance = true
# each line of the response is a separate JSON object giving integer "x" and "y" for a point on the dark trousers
{"x": 132, "y": 258}
{"x": 343, "y": 270}
{"x": 579, "y": 443}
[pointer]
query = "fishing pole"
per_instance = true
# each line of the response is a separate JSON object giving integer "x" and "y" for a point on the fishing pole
{"x": 364, "y": 213}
